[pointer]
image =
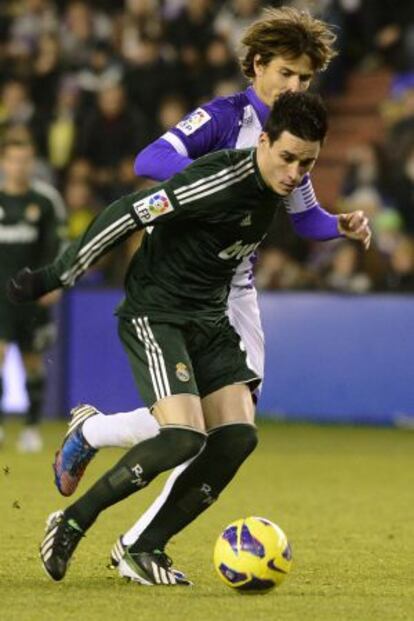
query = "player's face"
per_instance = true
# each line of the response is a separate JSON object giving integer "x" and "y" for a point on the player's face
{"x": 284, "y": 163}
{"x": 281, "y": 75}
{"x": 17, "y": 163}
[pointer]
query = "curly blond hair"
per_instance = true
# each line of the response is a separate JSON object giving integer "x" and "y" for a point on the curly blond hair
{"x": 290, "y": 33}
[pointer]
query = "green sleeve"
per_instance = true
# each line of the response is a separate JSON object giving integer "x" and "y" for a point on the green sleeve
{"x": 111, "y": 227}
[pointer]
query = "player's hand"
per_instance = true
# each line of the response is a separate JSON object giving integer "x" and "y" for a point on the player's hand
{"x": 355, "y": 225}
{"x": 26, "y": 286}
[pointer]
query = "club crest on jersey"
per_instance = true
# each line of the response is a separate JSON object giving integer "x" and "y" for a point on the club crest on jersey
{"x": 182, "y": 372}
{"x": 32, "y": 212}
{"x": 192, "y": 123}
{"x": 153, "y": 206}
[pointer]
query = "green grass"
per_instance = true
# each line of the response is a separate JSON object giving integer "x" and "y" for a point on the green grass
{"x": 344, "y": 496}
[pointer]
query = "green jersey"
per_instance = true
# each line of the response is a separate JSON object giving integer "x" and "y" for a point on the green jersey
{"x": 202, "y": 223}
{"x": 31, "y": 229}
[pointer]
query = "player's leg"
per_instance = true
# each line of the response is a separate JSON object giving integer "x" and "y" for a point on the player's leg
{"x": 35, "y": 333}
{"x": 7, "y": 336}
{"x": 244, "y": 316}
{"x": 3, "y": 348}
{"x": 88, "y": 431}
{"x": 229, "y": 411}
{"x": 30, "y": 440}
{"x": 153, "y": 353}
{"x": 200, "y": 484}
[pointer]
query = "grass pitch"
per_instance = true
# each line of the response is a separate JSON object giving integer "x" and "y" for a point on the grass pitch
{"x": 344, "y": 496}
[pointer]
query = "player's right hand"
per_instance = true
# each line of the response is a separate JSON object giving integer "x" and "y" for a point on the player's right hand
{"x": 26, "y": 286}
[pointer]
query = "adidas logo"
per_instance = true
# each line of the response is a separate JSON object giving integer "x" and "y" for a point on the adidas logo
{"x": 247, "y": 221}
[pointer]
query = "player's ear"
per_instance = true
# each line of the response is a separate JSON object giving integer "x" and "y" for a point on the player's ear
{"x": 258, "y": 65}
{"x": 264, "y": 138}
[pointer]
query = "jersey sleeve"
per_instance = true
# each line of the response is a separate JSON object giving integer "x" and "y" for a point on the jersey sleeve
{"x": 307, "y": 216}
{"x": 160, "y": 160}
{"x": 112, "y": 226}
{"x": 191, "y": 195}
{"x": 203, "y": 130}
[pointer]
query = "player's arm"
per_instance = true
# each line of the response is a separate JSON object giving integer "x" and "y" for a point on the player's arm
{"x": 311, "y": 221}
{"x": 200, "y": 132}
{"x": 112, "y": 226}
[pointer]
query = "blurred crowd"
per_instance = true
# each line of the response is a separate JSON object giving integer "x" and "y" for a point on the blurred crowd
{"x": 93, "y": 82}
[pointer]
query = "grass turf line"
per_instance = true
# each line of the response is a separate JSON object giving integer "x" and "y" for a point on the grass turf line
{"x": 343, "y": 495}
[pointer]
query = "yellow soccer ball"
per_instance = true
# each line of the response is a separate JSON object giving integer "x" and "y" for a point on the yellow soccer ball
{"x": 252, "y": 555}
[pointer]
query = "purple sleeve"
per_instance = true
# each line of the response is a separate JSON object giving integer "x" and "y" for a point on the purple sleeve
{"x": 315, "y": 223}
{"x": 205, "y": 129}
{"x": 160, "y": 161}
{"x": 200, "y": 132}
{"x": 307, "y": 216}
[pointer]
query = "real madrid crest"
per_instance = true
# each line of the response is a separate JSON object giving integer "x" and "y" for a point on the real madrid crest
{"x": 182, "y": 372}
{"x": 32, "y": 212}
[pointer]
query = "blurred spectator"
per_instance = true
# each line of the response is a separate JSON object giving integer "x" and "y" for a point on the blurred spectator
{"x": 395, "y": 32}
{"x": 35, "y": 18}
{"x": 16, "y": 108}
{"x": 112, "y": 132}
{"x": 345, "y": 273}
{"x": 367, "y": 186}
{"x": 234, "y": 17}
{"x": 80, "y": 169}
{"x": 189, "y": 34}
{"x": 46, "y": 73}
{"x": 102, "y": 70}
{"x": 80, "y": 29}
{"x": 403, "y": 189}
{"x": 81, "y": 206}
{"x": 63, "y": 125}
{"x": 140, "y": 20}
{"x": 401, "y": 132}
{"x": 221, "y": 65}
{"x": 41, "y": 167}
{"x": 171, "y": 111}
{"x": 150, "y": 77}
{"x": 400, "y": 275}
{"x": 277, "y": 270}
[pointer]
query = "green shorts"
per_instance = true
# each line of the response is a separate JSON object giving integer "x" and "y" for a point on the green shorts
{"x": 29, "y": 326}
{"x": 184, "y": 357}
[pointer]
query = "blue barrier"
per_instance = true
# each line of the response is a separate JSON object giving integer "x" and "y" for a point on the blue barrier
{"x": 339, "y": 358}
{"x": 329, "y": 357}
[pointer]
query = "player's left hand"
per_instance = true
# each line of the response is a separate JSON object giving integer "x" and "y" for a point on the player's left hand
{"x": 355, "y": 225}
{"x": 26, "y": 286}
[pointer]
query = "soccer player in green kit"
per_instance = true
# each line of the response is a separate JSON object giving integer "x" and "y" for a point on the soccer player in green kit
{"x": 32, "y": 217}
{"x": 188, "y": 361}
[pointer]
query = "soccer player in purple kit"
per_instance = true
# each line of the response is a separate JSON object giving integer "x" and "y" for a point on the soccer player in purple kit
{"x": 283, "y": 51}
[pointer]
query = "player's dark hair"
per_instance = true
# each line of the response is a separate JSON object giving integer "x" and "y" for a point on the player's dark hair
{"x": 289, "y": 33}
{"x": 302, "y": 114}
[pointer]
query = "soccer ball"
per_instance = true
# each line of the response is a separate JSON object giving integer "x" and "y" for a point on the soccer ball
{"x": 252, "y": 554}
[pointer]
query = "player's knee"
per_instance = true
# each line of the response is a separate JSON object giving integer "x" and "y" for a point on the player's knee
{"x": 182, "y": 443}
{"x": 233, "y": 442}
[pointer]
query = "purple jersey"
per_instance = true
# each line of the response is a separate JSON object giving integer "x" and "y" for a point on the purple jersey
{"x": 231, "y": 122}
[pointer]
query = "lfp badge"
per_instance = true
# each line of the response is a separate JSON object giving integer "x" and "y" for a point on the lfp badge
{"x": 158, "y": 204}
{"x": 153, "y": 206}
